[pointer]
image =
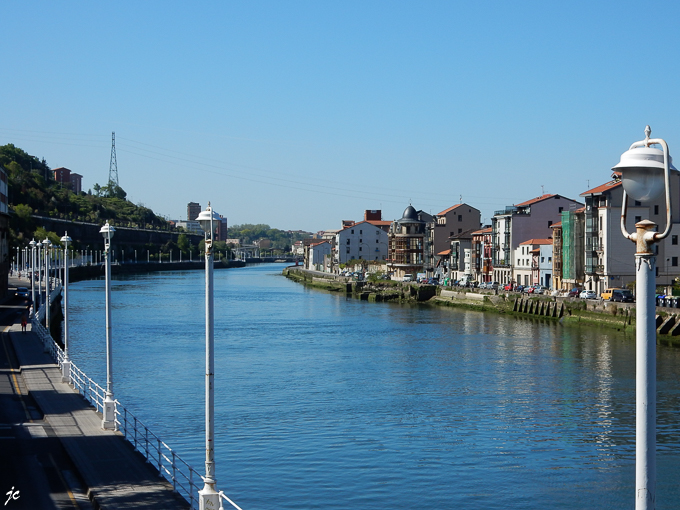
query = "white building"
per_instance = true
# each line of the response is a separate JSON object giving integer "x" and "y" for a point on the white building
{"x": 317, "y": 254}
{"x": 361, "y": 241}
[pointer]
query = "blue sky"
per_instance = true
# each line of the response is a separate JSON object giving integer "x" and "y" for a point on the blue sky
{"x": 300, "y": 114}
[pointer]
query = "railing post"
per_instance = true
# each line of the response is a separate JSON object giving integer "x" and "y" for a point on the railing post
{"x": 146, "y": 443}
{"x": 174, "y": 471}
{"x": 160, "y": 457}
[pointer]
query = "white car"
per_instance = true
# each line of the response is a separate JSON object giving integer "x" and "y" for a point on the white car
{"x": 588, "y": 294}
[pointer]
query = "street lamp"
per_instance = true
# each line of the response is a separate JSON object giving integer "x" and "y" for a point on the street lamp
{"x": 109, "y": 418}
{"x": 32, "y": 245}
{"x": 47, "y": 244}
{"x": 208, "y": 497}
{"x": 66, "y": 364}
{"x": 645, "y": 174}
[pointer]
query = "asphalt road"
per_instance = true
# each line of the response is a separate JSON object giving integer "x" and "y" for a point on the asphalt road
{"x": 35, "y": 472}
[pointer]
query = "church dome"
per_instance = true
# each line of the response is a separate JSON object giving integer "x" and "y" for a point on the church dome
{"x": 410, "y": 214}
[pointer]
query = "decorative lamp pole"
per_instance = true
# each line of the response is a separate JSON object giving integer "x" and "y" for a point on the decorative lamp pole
{"x": 66, "y": 364}
{"x": 46, "y": 248}
{"x": 208, "y": 497}
{"x": 645, "y": 174}
{"x": 32, "y": 245}
{"x": 109, "y": 419}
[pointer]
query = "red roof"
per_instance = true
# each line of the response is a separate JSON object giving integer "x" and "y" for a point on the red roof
{"x": 538, "y": 241}
{"x": 534, "y": 200}
{"x": 378, "y": 223}
{"x": 445, "y": 252}
{"x": 558, "y": 224}
{"x": 602, "y": 188}
{"x": 449, "y": 209}
{"x": 486, "y": 230}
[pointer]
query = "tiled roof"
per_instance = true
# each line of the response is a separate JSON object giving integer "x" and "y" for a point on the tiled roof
{"x": 378, "y": 223}
{"x": 558, "y": 224}
{"x": 445, "y": 252}
{"x": 449, "y": 209}
{"x": 538, "y": 241}
{"x": 486, "y": 230}
{"x": 602, "y": 188}
{"x": 534, "y": 200}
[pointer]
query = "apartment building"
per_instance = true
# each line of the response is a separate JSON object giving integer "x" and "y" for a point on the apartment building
{"x": 528, "y": 220}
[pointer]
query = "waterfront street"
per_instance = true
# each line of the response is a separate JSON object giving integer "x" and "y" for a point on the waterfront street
{"x": 324, "y": 401}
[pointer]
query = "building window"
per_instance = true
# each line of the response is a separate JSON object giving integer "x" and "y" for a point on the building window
{"x": 359, "y": 248}
{"x": 674, "y": 261}
{"x": 638, "y": 203}
{"x": 460, "y": 230}
{"x": 657, "y": 271}
{"x": 561, "y": 209}
{"x": 656, "y": 209}
{"x": 549, "y": 223}
{"x": 460, "y": 217}
{"x": 638, "y": 219}
{"x": 348, "y": 250}
{"x": 674, "y": 239}
{"x": 352, "y": 231}
{"x": 542, "y": 259}
{"x": 361, "y": 231}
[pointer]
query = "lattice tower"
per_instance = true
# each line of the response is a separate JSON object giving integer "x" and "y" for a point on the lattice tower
{"x": 113, "y": 166}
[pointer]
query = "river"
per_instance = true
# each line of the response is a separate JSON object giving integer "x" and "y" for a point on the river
{"x": 328, "y": 402}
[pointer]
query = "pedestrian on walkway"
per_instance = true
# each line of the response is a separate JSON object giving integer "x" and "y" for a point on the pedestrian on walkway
{"x": 23, "y": 323}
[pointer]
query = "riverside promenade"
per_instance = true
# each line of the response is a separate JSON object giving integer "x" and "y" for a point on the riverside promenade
{"x": 55, "y": 453}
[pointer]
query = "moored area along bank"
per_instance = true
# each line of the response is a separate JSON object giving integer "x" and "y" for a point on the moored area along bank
{"x": 567, "y": 311}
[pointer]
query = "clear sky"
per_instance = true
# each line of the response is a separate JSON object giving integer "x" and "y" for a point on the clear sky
{"x": 300, "y": 114}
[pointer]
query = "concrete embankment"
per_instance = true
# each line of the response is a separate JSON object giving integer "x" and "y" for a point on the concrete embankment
{"x": 568, "y": 311}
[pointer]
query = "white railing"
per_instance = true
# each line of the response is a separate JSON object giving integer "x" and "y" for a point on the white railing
{"x": 170, "y": 465}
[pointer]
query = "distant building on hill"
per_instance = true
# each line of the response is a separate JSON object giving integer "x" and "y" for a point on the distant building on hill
{"x": 72, "y": 180}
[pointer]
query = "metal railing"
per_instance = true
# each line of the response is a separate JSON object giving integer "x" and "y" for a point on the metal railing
{"x": 170, "y": 465}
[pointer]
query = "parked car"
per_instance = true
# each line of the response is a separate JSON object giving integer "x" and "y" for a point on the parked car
{"x": 574, "y": 292}
{"x": 540, "y": 289}
{"x": 508, "y": 286}
{"x": 492, "y": 285}
{"x": 622, "y": 296}
{"x": 588, "y": 294}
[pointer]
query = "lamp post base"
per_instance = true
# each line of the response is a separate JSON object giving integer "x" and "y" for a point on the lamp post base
{"x": 66, "y": 371}
{"x": 109, "y": 420}
{"x": 208, "y": 498}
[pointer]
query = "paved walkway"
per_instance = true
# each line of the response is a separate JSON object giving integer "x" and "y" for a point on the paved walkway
{"x": 115, "y": 475}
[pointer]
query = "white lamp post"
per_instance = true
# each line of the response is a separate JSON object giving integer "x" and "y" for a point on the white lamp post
{"x": 46, "y": 248}
{"x": 32, "y": 245}
{"x": 66, "y": 364}
{"x": 208, "y": 496}
{"x": 109, "y": 419}
{"x": 645, "y": 174}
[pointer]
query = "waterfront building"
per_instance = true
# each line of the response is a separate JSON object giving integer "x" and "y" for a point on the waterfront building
{"x": 572, "y": 250}
{"x": 557, "y": 255}
{"x": 609, "y": 257}
{"x": 360, "y": 241}
{"x": 461, "y": 255}
{"x": 528, "y": 220}
{"x": 482, "y": 252}
{"x": 316, "y": 255}
{"x": 406, "y": 243}
{"x": 456, "y": 219}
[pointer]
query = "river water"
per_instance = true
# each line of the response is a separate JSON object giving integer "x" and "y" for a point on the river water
{"x": 328, "y": 402}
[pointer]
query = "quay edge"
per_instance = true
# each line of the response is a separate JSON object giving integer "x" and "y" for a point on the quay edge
{"x": 565, "y": 311}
